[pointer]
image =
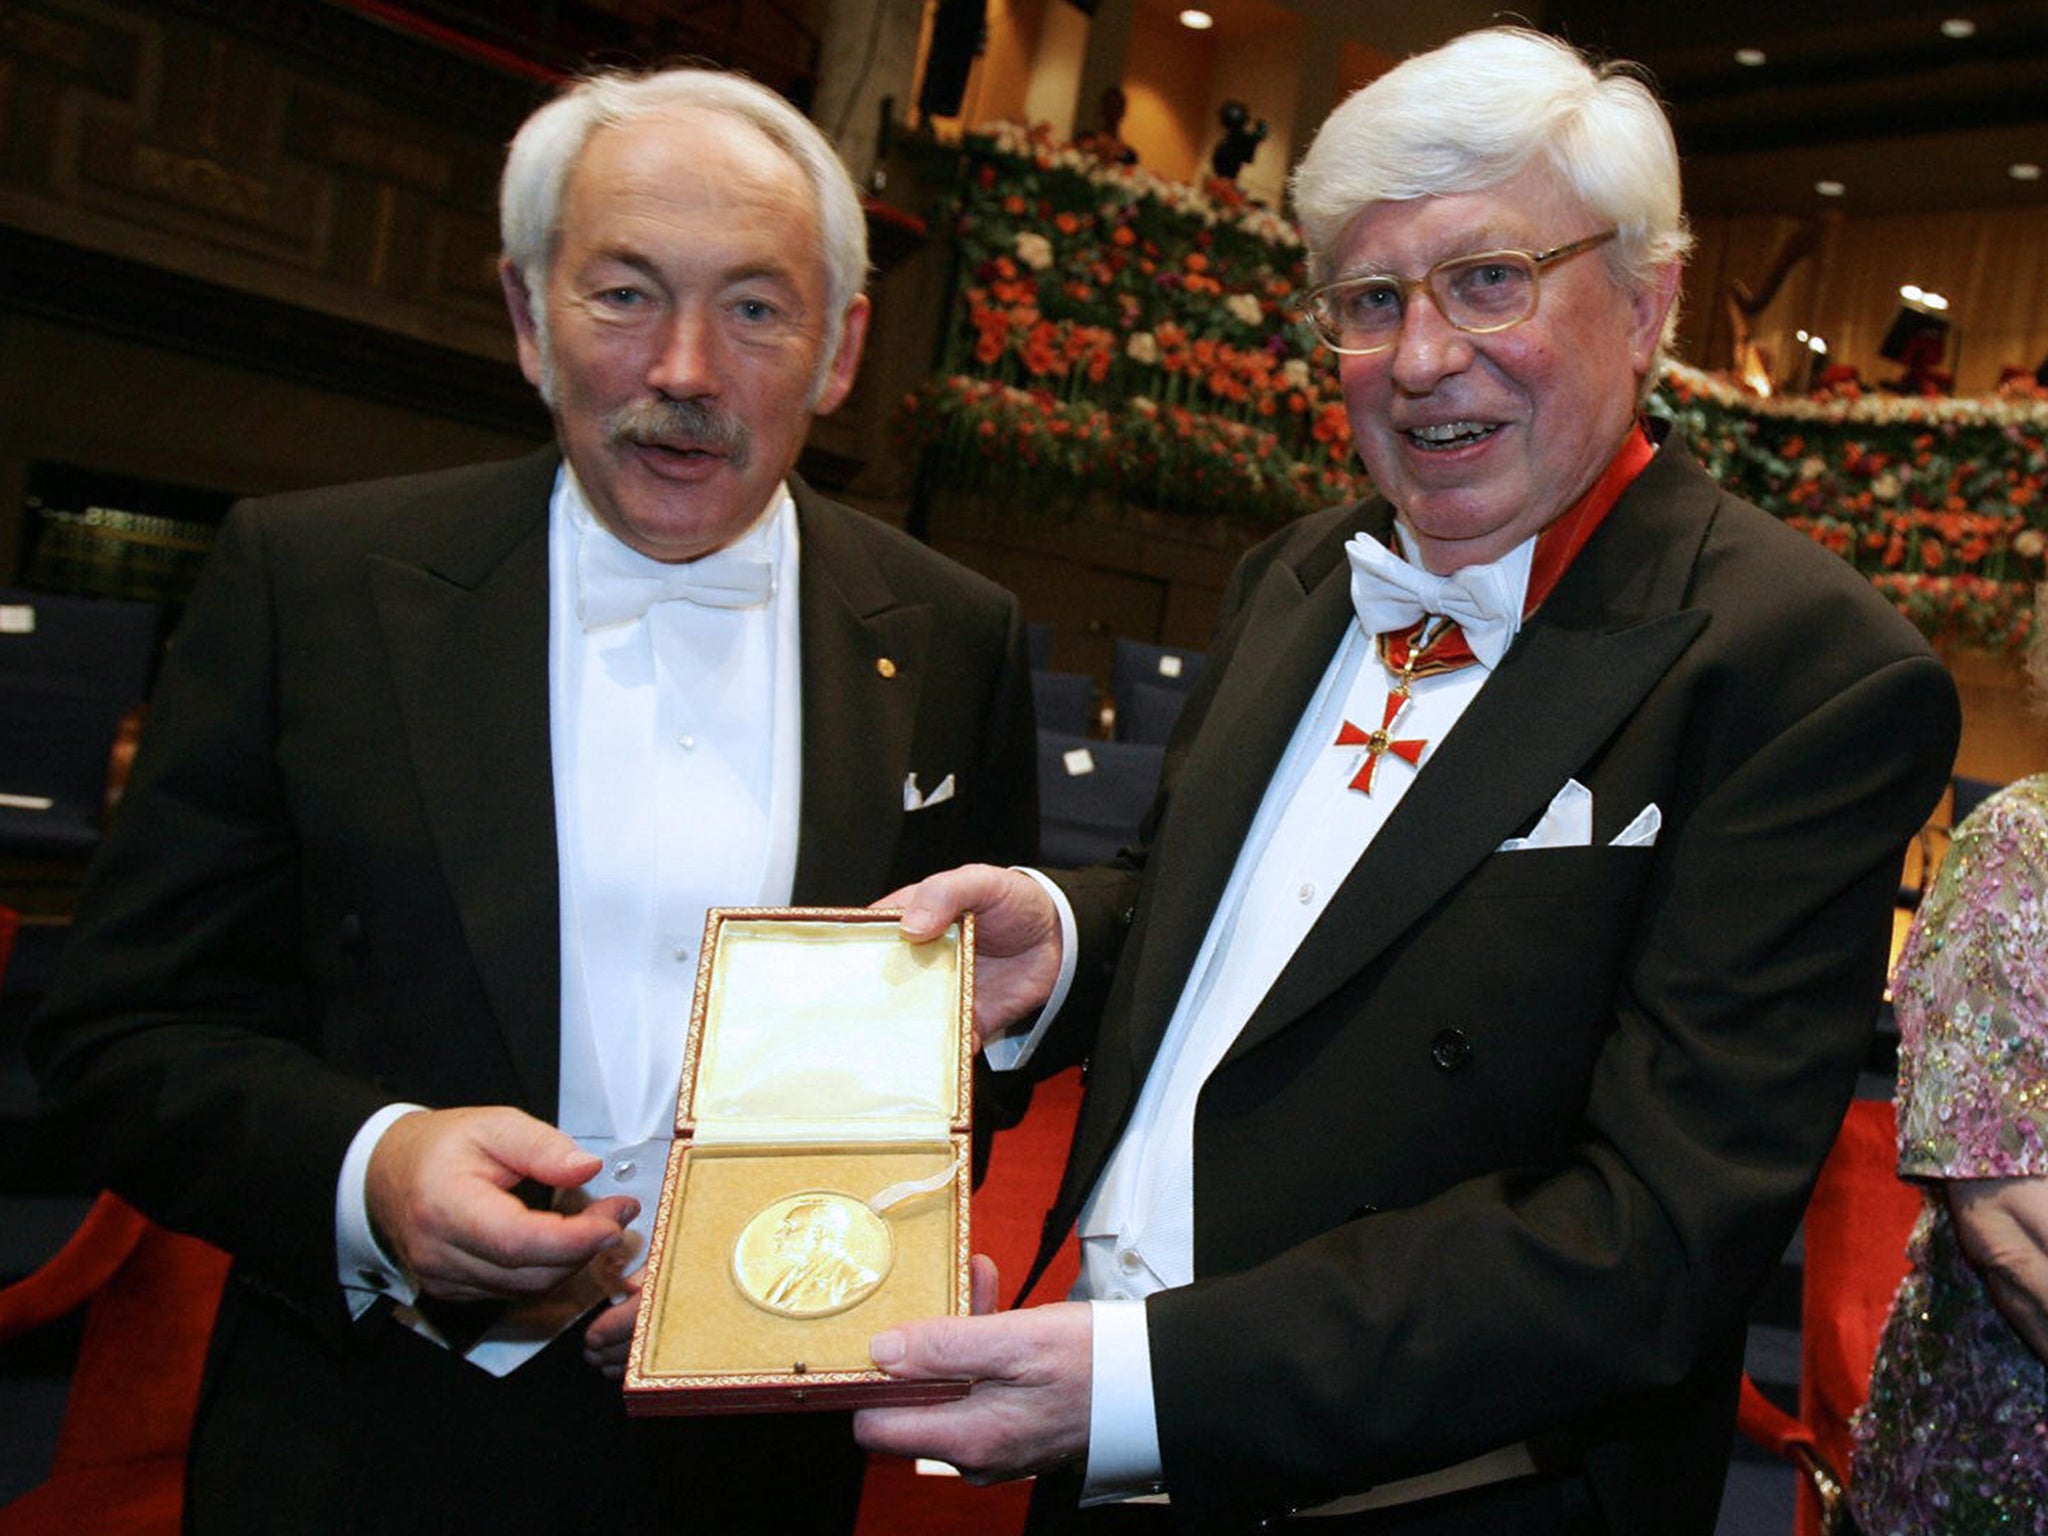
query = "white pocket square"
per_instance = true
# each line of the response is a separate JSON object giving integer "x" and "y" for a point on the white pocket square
{"x": 914, "y": 801}
{"x": 1642, "y": 832}
{"x": 1568, "y": 823}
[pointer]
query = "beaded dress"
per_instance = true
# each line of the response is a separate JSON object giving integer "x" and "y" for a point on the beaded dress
{"x": 1954, "y": 1437}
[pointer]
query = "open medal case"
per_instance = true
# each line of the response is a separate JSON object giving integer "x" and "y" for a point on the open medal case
{"x": 817, "y": 1189}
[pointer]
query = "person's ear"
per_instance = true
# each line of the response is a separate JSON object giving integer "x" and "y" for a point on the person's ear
{"x": 1649, "y": 309}
{"x": 519, "y": 302}
{"x": 845, "y": 363}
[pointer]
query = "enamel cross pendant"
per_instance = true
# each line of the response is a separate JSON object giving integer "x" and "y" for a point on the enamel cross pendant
{"x": 1379, "y": 743}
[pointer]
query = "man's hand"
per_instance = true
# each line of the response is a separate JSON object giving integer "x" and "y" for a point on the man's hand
{"x": 1016, "y": 937}
{"x": 2002, "y": 1225}
{"x": 439, "y": 1194}
{"x": 1028, "y": 1410}
{"x": 609, "y": 1337}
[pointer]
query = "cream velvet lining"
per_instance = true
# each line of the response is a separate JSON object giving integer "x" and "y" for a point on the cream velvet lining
{"x": 828, "y": 1032}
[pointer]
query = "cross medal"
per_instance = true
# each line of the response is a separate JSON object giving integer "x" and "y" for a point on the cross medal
{"x": 1379, "y": 743}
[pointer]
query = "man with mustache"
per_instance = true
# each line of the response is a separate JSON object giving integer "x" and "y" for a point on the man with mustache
{"x": 381, "y": 982}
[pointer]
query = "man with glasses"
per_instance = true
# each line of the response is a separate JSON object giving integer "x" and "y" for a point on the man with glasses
{"x": 1504, "y": 944}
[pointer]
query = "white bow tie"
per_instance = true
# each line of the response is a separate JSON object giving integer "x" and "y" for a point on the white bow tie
{"x": 1390, "y": 595}
{"x": 615, "y": 584}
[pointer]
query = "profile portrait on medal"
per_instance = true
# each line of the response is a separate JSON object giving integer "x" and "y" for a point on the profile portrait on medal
{"x": 812, "y": 1254}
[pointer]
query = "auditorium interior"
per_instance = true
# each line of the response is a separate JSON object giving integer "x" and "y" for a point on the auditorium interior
{"x": 248, "y": 248}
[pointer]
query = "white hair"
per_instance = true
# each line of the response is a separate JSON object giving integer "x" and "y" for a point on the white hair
{"x": 1475, "y": 113}
{"x": 548, "y": 143}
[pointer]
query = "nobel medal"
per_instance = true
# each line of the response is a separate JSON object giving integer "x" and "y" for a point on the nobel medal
{"x": 812, "y": 1254}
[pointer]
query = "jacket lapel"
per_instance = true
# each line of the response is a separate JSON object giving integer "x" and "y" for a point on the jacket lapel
{"x": 1577, "y": 672}
{"x": 1290, "y": 629}
{"x": 463, "y": 603}
{"x": 864, "y": 663}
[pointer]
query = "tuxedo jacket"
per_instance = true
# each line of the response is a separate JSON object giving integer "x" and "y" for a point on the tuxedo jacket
{"x": 332, "y": 885}
{"x": 1510, "y": 1144}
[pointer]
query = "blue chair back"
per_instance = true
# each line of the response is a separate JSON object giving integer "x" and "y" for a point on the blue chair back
{"x": 1138, "y": 663}
{"x": 70, "y": 669}
{"x": 1149, "y": 712}
{"x": 1038, "y": 644}
{"x": 1063, "y": 701}
{"x": 100, "y": 645}
{"x": 1968, "y": 794}
{"x": 1092, "y": 795}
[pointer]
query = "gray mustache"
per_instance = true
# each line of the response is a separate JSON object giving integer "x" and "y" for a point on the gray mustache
{"x": 696, "y": 422}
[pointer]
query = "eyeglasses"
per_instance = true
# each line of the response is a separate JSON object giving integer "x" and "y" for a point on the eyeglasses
{"x": 1477, "y": 294}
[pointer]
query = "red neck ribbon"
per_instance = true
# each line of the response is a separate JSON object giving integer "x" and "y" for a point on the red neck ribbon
{"x": 1556, "y": 547}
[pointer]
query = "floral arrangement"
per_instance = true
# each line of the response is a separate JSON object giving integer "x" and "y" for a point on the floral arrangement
{"x": 1031, "y": 447}
{"x": 1115, "y": 333}
{"x": 1939, "y": 501}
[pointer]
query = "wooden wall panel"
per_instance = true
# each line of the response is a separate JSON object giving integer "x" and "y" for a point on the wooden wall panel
{"x": 314, "y": 163}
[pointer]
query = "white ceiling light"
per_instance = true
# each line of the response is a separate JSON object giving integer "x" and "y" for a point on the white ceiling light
{"x": 1750, "y": 58}
{"x": 1959, "y": 27}
{"x": 2023, "y": 170}
{"x": 1197, "y": 21}
{"x": 1829, "y": 188}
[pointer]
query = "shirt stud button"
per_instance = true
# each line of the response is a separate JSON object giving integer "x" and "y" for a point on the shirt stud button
{"x": 1450, "y": 1050}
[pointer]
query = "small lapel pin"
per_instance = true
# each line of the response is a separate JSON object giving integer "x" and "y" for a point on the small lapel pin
{"x": 885, "y": 666}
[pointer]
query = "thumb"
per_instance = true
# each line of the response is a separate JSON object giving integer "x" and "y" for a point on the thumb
{"x": 533, "y": 1149}
{"x": 983, "y": 1284}
{"x": 934, "y": 902}
{"x": 938, "y": 1349}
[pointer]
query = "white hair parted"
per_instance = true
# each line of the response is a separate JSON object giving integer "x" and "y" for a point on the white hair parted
{"x": 548, "y": 143}
{"x": 1476, "y": 112}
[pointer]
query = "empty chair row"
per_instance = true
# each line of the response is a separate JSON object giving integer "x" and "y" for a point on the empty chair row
{"x": 1148, "y": 684}
{"x": 74, "y": 672}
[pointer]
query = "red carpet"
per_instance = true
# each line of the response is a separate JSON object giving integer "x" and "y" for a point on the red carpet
{"x": 1024, "y": 1170}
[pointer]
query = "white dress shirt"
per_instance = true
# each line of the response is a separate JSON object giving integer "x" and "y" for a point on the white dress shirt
{"x": 675, "y": 791}
{"x": 1137, "y": 1227}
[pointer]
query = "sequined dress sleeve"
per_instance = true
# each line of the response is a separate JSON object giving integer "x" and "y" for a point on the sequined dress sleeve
{"x": 1954, "y": 1438}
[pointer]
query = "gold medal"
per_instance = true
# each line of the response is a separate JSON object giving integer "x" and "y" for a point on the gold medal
{"x": 812, "y": 1254}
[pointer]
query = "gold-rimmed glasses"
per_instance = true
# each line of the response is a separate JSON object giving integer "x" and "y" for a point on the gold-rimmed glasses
{"x": 1479, "y": 294}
